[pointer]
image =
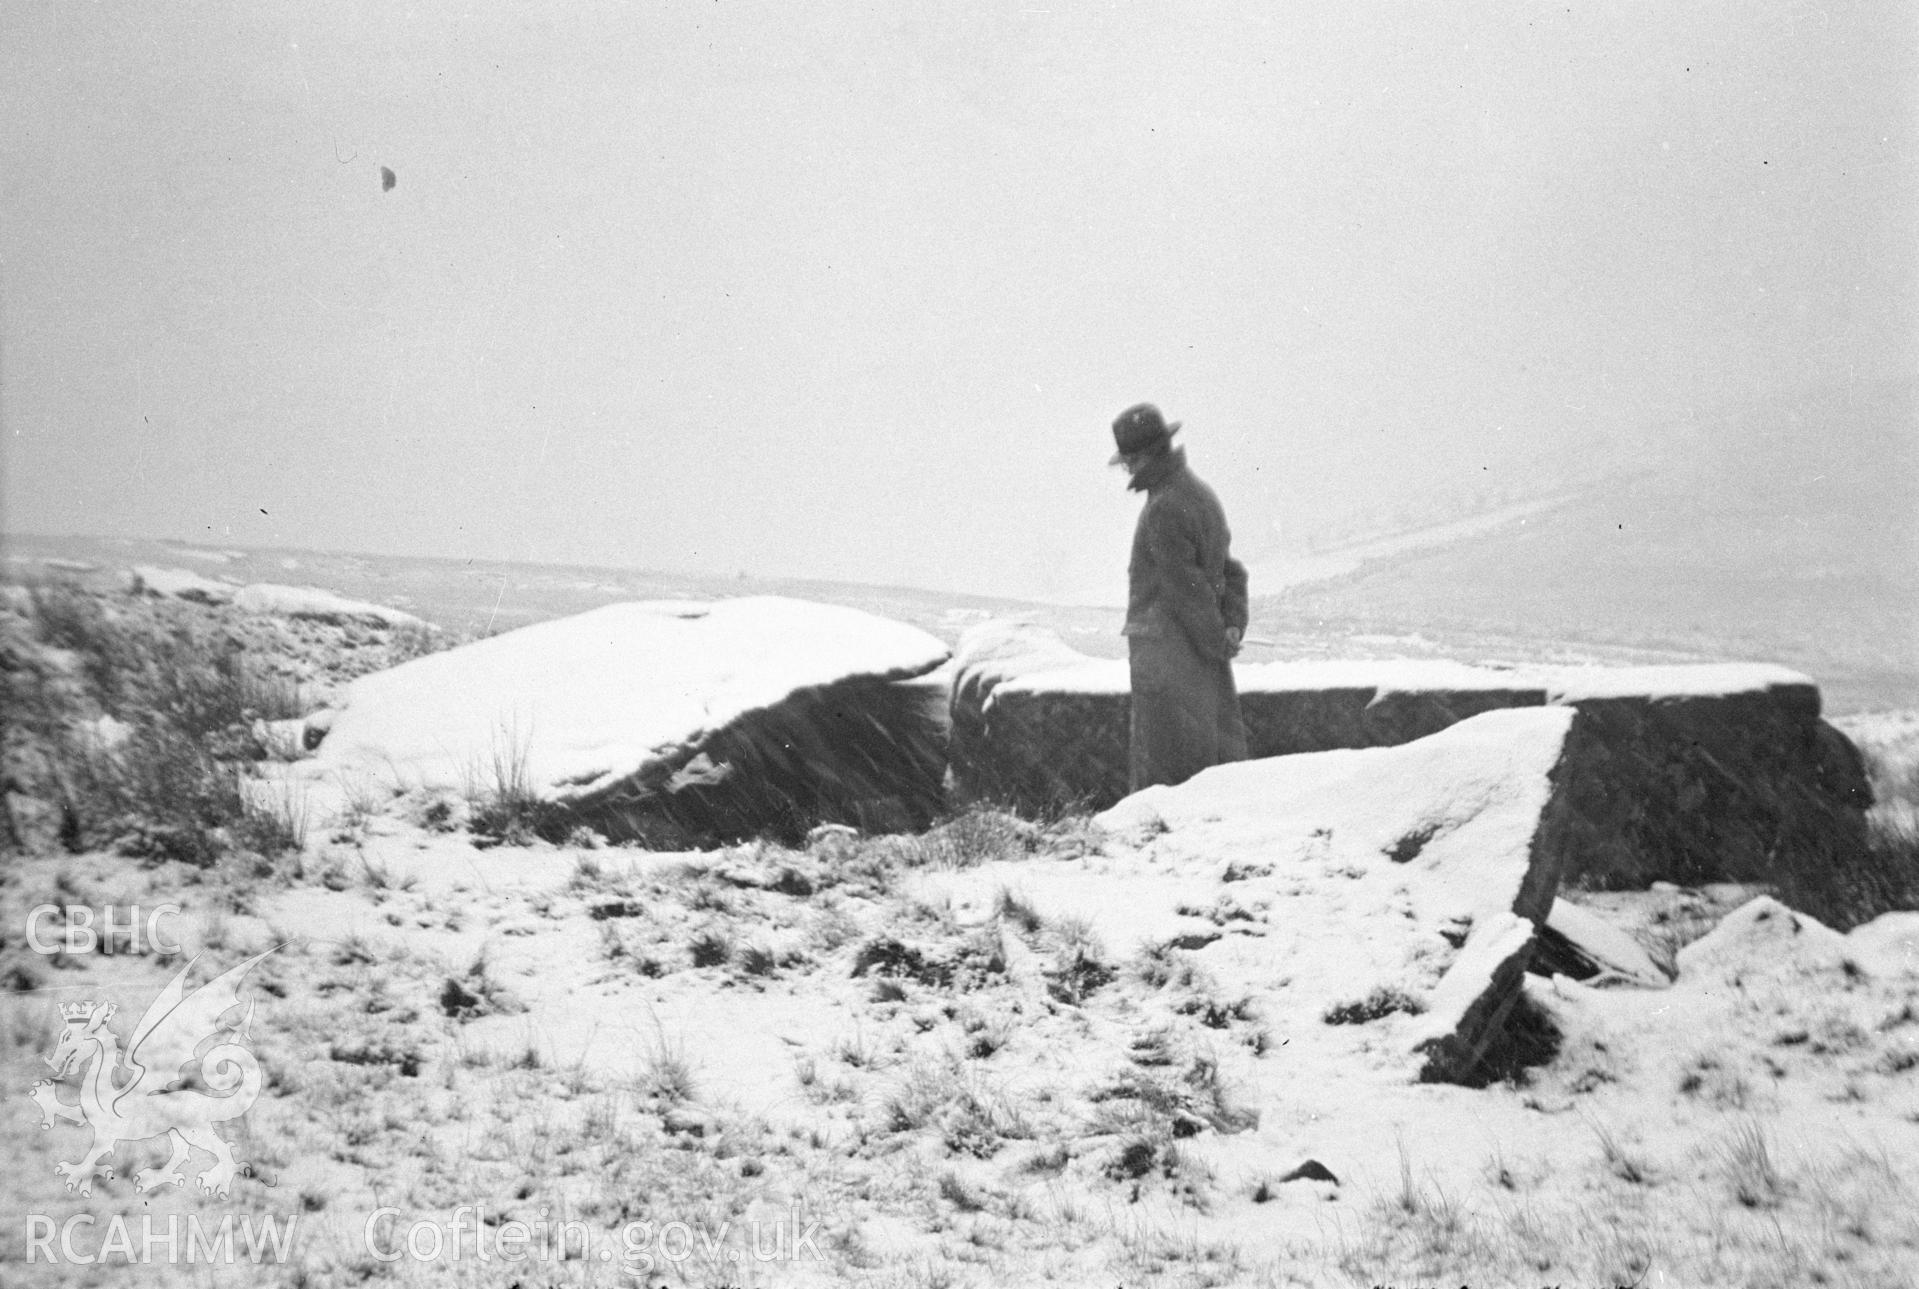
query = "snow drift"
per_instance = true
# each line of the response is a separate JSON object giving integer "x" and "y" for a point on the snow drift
{"x": 1686, "y": 774}
{"x": 667, "y": 720}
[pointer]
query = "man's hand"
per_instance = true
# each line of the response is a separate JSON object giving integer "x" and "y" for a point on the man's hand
{"x": 1232, "y": 642}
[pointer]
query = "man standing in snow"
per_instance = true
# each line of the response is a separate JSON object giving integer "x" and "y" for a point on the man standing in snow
{"x": 1185, "y": 611}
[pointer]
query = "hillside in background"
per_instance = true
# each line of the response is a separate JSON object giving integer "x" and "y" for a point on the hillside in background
{"x": 485, "y": 597}
{"x": 1787, "y": 532}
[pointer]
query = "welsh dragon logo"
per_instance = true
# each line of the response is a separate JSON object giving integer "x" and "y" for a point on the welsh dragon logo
{"x": 148, "y": 1099}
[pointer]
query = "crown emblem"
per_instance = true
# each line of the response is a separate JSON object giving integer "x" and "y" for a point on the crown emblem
{"x": 76, "y": 1011}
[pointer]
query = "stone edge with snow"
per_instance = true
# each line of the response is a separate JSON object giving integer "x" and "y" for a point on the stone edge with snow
{"x": 706, "y": 720}
{"x": 1686, "y": 774}
{"x": 1466, "y": 827}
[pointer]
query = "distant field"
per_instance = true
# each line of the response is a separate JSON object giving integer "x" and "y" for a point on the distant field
{"x": 1855, "y": 630}
{"x": 1786, "y": 532}
{"x": 481, "y": 597}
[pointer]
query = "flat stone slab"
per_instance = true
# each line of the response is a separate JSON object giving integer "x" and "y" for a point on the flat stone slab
{"x": 1584, "y": 945}
{"x": 723, "y": 717}
{"x": 1686, "y": 774}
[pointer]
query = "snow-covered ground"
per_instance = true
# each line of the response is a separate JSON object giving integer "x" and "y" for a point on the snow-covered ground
{"x": 966, "y": 1086}
{"x": 1001, "y": 1053}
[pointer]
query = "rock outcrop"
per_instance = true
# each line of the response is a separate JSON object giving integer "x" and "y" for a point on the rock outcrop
{"x": 318, "y": 605}
{"x": 1377, "y": 905}
{"x": 179, "y": 584}
{"x": 1035, "y": 724}
{"x": 671, "y": 722}
{"x": 1686, "y": 774}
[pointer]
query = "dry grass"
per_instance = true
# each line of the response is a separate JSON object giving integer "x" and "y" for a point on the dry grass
{"x": 665, "y": 1076}
{"x": 142, "y": 725}
{"x": 504, "y": 804}
{"x": 1747, "y": 1161}
{"x": 969, "y": 1112}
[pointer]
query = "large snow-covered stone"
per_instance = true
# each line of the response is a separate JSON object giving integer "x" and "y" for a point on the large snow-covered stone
{"x": 1035, "y": 723}
{"x": 1038, "y": 724}
{"x": 1727, "y": 780}
{"x": 714, "y": 719}
{"x": 323, "y": 606}
{"x": 1418, "y": 873}
{"x": 1689, "y": 774}
{"x": 180, "y": 584}
{"x": 1380, "y": 902}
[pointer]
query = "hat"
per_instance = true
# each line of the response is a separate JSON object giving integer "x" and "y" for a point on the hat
{"x": 1140, "y": 428}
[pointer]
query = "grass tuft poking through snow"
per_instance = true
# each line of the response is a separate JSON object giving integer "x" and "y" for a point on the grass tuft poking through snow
{"x": 1382, "y": 1001}
{"x": 665, "y": 1075}
{"x": 1751, "y": 1174}
{"x": 505, "y": 806}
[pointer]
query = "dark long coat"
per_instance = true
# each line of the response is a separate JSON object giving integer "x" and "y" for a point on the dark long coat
{"x": 1184, "y": 591}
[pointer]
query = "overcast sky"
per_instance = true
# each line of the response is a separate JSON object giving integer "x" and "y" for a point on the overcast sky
{"x": 853, "y": 291}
